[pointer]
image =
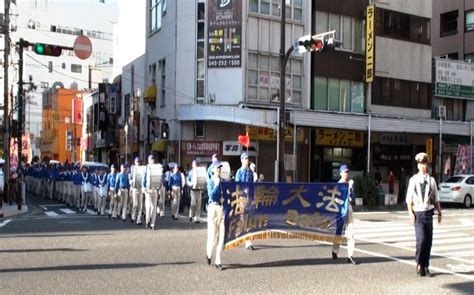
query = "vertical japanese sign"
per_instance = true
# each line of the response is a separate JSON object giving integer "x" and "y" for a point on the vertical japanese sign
{"x": 224, "y": 33}
{"x": 429, "y": 148}
{"x": 311, "y": 211}
{"x": 77, "y": 111}
{"x": 112, "y": 103}
{"x": 369, "y": 44}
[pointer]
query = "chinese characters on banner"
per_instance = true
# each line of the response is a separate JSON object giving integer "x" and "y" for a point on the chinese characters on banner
{"x": 312, "y": 211}
{"x": 224, "y": 33}
{"x": 370, "y": 43}
{"x": 341, "y": 138}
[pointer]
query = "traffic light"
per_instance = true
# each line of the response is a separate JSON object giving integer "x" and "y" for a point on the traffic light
{"x": 164, "y": 131}
{"x": 310, "y": 44}
{"x": 47, "y": 49}
{"x": 332, "y": 43}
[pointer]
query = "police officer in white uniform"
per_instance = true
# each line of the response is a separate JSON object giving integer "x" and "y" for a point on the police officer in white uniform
{"x": 196, "y": 194}
{"x": 349, "y": 225}
{"x": 151, "y": 196}
{"x": 421, "y": 201}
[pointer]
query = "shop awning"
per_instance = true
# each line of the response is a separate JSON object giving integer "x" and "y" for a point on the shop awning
{"x": 150, "y": 94}
{"x": 159, "y": 146}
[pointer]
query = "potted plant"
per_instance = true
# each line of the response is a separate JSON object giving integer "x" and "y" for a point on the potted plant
{"x": 365, "y": 188}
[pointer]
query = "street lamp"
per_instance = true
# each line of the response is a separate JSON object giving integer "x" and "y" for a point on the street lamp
{"x": 67, "y": 120}
{"x": 126, "y": 142}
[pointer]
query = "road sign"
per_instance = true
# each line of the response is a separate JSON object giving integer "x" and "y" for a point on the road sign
{"x": 82, "y": 47}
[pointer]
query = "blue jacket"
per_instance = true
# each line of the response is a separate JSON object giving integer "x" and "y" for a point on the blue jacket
{"x": 111, "y": 179}
{"x": 103, "y": 178}
{"x": 76, "y": 178}
{"x": 175, "y": 180}
{"x": 122, "y": 181}
{"x": 214, "y": 192}
{"x": 244, "y": 175}
{"x": 86, "y": 178}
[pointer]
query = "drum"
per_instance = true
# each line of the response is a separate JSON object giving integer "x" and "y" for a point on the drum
{"x": 154, "y": 176}
{"x": 225, "y": 171}
{"x": 139, "y": 173}
{"x": 199, "y": 180}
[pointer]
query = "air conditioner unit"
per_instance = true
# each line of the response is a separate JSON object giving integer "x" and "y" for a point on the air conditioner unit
{"x": 200, "y": 100}
{"x": 441, "y": 112}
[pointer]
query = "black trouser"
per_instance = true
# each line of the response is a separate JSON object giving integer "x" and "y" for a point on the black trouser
{"x": 424, "y": 237}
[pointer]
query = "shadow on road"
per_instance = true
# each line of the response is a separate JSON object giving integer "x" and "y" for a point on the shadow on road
{"x": 91, "y": 267}
{"x": 460, "y": 288}
{"x": 51, "y": 235}
{"x": 302, "y": 262}
{"x": 42, "y": 250}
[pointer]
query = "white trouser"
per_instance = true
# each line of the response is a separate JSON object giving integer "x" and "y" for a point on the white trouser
{"x": 349, "y": 234}
{"x": 95, "y": 196}
{"x": 85, "y": 199}
{"x": 161, "y": 201}
{"x": 215, "y": 231}
{"x": 137, "y": 199}
{"x": 101, "y": 200}
{"x": 113, "y": 202}
{"x": 151, "y": 197}
{"x": 195, "y": 207}
{"x": 175, "y": 199}
{"x": 50, "y": 189}
{"x": 75, "y": 192}
{"x": 123, "y": 204}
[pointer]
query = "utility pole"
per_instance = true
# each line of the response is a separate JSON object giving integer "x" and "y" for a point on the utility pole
{"x": 282, "y": 121}
{"x": 21, "y": 44}
{"x": 6, "y": 118}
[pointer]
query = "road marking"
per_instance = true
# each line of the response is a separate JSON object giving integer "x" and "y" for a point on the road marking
{"x": 51, "y": 214}
{"x": 463, "y": 253}
{"x": 437, "y": 241}
{"x": 43, "y": 207}
{"x": 466, "y": 222}
{"x": 68, "y": 211}
{"x": 5, "y": 222}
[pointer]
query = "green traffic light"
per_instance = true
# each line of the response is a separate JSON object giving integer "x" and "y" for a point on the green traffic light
{"x": 39, "y": 48}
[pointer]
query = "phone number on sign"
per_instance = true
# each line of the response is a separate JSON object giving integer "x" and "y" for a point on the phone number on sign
{"x": 224, "y": 63}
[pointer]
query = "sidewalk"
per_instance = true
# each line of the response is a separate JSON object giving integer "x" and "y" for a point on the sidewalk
{"x": 12, "y": 210}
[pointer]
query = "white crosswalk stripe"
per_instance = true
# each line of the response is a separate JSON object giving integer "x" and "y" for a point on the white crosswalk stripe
{"x": 454, "y": 241}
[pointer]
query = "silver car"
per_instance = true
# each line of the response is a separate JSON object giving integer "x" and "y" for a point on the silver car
{"x": 457, "y": 189}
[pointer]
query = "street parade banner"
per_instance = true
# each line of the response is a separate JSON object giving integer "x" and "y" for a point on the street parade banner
{"x": 258, "y": 211}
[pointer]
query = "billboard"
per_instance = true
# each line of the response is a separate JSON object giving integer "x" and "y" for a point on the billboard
{"x": 369, "y": 46}
{"x": 224, "y": 31}
{"x": 454, "y": 79}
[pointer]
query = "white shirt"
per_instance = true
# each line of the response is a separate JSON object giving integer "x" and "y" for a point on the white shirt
{"x": 422, "y": 202}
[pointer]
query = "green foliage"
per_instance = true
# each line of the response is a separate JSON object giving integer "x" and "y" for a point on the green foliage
{"x": 365, "y": 188}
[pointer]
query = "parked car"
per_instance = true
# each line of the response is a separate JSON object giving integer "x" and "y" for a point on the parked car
{"x": 94, "y": 165}
{"x": 457, "y": 189}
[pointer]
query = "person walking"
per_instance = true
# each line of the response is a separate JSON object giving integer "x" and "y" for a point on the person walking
{"x": 113, "y": 203}
{"x": 136, "y": 190}
{"x": 101, "y": 191}
{"x": 244, "y": 174}
{"x": 391, "y": 182}
{"x": 196, "y": 194}
{"x": 151, "y": 195}
{"x": 87, "y": 187}
{"x": 421, "y": 202}
{"x": 215, "y": 217}
{"x": 176, "y": 185}
{"x": 349, "y": 224}
{"x": 122, "y": 184}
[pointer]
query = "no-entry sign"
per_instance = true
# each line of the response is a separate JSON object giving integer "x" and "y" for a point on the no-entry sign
{"x": 82, "y": 47}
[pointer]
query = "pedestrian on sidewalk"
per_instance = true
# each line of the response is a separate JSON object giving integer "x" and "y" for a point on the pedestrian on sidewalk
{"x": 349, "y": 225}
{"x": 391, "y": 182}
{"x": 421, "y": 202}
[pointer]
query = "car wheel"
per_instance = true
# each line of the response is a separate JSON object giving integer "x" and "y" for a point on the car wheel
{"x": 467, "y": 201}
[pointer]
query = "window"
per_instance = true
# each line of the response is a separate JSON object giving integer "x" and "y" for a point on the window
{"x": 402, "y": 26}
{"x": 163, "y": 82}
{"x": 263, "y": 78}
{"x": 402, "y": 93}
{"x": 200, "y": 52}
{"x": 469, "y": 23}
{"x": 469, "y": 57}
{"x": 155, "y": 15}
{"x": 199, "y": 129}
{"x": 338, "y": 95}
{"x": 50, "y": 67}
{"x": 449, "y": 23}
{"x": 63, "y": 66}
{"x": 294, "y": 8}
{"x": 348, "y": 29}
{"x": 152, "y": 72}
{"x": 127, "y": 105}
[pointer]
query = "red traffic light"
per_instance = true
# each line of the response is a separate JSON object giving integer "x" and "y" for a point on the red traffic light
{"x": 47, "y": 49}
{"x": 312, "y": 44}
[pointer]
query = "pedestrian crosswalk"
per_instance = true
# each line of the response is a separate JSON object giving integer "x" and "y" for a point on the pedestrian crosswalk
{"x": 61, "y": 210}
{"x": 454, "y": 240}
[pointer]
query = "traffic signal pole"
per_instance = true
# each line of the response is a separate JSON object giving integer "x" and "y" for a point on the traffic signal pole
{"x": 6, "y": 117}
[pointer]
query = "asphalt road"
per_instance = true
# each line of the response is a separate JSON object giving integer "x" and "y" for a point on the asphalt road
{"x": 78, "y": 253}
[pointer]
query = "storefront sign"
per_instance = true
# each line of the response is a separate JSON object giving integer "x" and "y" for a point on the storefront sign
{"x": 393, "y": 139}
{"x": 369, "y": 44}
{"x": 201, "y": 148}
{"x": 454, "y": 79}
{"x": 224, "y": 28}
{"x": 429, "y": 148}
{"x": 340, "y": 138}
{"x": 233, "y": 148}
{"x": 267, "y": 134}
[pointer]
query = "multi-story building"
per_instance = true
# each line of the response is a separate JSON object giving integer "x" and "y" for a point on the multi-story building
{"x": 59, "y": 23}
{"x": 453, "y": 51}
{"x": 210, "y": 72}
